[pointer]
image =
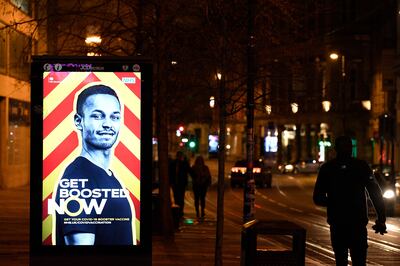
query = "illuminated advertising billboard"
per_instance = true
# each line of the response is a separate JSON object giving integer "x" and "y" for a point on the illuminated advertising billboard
{"x": 90, "y": 131}
{"x": 271, "y": 143}
{"x": 213, "y": 143}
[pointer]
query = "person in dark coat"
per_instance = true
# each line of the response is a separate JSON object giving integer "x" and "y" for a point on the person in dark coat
{"x": 341, "y": 186}
{"x": 201, "y": 180}
{"x": 178, "y": 173}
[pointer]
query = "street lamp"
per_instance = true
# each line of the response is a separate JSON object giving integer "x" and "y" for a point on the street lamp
{"x": 326, "y": 105}
{"x": 335, "y": 56}
{"x": 268, "y": 108}
{"x": 366, "y": 104}
{"x": 219, "y": 76}
{"x": 93, "y": 41}
{"x": 295, "y": 107}
{"x": 212, "y": 102}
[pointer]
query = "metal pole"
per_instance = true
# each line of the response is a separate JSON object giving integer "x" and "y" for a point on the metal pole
{"x": 221, "y": 174}
{"x": 221, "y": 153}
{"x": 249, "y": 187}
{"x": 343, "y": 70}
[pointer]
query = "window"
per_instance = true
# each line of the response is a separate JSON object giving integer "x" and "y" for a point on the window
{"x": 18, "y": 132}
{"x": 23, "y": 5}
{"x": 19, "y": 55}
{"x": 3, "y": 50}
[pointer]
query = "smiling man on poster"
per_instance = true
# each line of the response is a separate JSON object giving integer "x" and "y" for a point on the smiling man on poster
{"x": 92, "y": 207}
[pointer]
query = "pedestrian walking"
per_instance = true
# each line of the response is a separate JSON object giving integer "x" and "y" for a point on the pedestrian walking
{"x": 201, "y": 180}
{"x": 178, "y": 173}
{"x": 341, "y": 187}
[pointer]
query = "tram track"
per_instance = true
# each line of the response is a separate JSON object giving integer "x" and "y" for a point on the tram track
{"x": 280, "y": 204}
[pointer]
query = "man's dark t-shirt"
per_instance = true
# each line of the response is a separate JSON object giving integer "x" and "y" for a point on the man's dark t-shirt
{"x": 112, "y": 225}
{"x": 341, "y": 187}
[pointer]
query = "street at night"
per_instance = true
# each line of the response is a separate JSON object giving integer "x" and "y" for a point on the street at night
{"x": 118, "y": 117}
{"x": 290, "y": 198}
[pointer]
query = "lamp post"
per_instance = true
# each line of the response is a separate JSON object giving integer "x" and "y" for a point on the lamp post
{"x": 249, "y": 186}
{"x": 93, "y": 42}
{"x": 212, "y": 102}
{"x": 335, "y": 57}
{"x": 295, "y": 107}
{"x": 268, "y": 109}
{"x": 221, "y": 169}
{"x": 326, "y": 105}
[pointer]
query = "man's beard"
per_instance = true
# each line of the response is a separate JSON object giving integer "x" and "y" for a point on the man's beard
{"x": 99, "y": 144}
{"x": 103, "y": 145}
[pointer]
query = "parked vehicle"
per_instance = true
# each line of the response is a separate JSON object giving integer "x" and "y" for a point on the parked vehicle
{"x": 386, "y": 179}
{"x": 262, "y": 174}
{"x": 306, "y": 166}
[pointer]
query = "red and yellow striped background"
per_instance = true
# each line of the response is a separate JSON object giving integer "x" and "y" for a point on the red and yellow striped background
{"x": 61, "y": 141}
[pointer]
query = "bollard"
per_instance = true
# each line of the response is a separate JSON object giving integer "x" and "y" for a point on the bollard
{"x": 251, "y": 256}
{"x": 156, "y": 226}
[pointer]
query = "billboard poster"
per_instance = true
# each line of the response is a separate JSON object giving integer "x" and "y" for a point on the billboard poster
{"x": 271, "y": 143}
{"x": 91, "y": 161}
{"x": 213, "y": 143}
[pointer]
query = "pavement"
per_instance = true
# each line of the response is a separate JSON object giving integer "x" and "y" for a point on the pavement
{"x": 14, "y": 227}
{"x": 193, "y": 243}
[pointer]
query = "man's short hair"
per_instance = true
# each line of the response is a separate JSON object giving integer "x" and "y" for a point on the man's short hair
{"x": 343, "y": 144}
{"x": 93, "y": 90}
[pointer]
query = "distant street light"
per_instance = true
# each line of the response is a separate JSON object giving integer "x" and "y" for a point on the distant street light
{"x": 93, "y": 40}
{"x": 268, "y": 109}
{"x": 326, "y": 105}
{"x": 366, "y": 104}
{"x": 212, "y": 101}
{"x": 334, "y": 56}
{"x": 219, "y": 76}
{"x": 295, "y": 107}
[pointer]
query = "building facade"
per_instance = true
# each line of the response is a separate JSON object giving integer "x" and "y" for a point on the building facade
{"x": 19, "y": 39}
{"x": 342, "y": 82}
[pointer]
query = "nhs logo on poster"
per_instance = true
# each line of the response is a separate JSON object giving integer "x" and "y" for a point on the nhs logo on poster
{"x": 129, "y": 80}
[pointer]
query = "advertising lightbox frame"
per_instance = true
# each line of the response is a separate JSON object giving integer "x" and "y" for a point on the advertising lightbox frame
{"x": 63, "y": 138}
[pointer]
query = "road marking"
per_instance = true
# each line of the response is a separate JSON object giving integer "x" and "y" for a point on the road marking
{"x": 296, "y": 210}
{"x": 329, "y": 251}
{"x": 317, "y": 246}
{"x": 384, "y": 245}
{"x": 281, "y": 192}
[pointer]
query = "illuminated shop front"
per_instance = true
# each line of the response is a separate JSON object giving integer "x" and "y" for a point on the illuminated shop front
{"x": 296, "y": 142}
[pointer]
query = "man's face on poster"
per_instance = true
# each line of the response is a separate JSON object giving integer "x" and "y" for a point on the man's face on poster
{"x": 100, "y": 121}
